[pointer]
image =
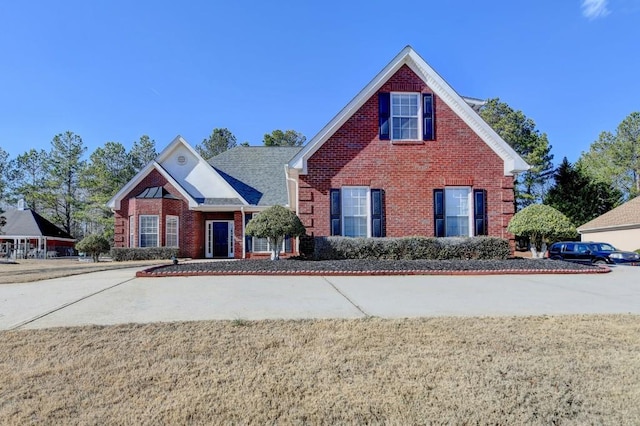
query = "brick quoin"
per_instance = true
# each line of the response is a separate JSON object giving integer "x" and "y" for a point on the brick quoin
{"x": 407, "y": 172}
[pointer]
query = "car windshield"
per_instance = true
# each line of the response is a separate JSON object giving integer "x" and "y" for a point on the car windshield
{"x": 602, "y": 247}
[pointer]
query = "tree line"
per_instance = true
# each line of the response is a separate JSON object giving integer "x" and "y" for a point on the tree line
{"x": 71, "y": 191}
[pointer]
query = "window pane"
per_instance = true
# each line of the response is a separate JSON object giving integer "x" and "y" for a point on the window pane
{"x": 355, "y": 211}
{"x": 404, "y": 120}
{"x": 172, "y": 231}
{"x": 148, "y": 231}
{"x": 457, "y": 211}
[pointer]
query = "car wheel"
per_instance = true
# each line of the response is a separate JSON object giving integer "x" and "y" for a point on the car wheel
{"x": 600, "y": 262}
{"x": 556, "y": 258}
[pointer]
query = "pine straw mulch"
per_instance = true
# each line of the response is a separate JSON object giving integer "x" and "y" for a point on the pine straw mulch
{"x": 296, "y": 266}
{"x": 531, "y": 370}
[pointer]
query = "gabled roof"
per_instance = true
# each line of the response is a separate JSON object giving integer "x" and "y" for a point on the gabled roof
{"x": 256, "y": 172}
{"x": 624, "y": 216}
{"x": 189, "y": 173}
{"x": 513, "y": 163}
{"x": 27, "y": 223}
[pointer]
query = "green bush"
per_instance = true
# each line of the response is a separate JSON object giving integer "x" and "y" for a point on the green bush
{"x": 93, "y": 245}
{"x": 410, "y": 248}
{"x": 120, "y": 254}
{"x": 274, "y": 224}
{"x": 542, "y": 224}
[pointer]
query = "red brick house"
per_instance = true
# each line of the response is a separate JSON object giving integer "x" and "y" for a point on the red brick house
{"x": 407, "y": 156}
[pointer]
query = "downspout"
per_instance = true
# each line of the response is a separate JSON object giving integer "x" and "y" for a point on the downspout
{"x": 244, "y": 238}
{"x": 295, "y": 182}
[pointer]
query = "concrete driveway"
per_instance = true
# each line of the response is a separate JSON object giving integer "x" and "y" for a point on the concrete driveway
{"x": 113, "y": 297}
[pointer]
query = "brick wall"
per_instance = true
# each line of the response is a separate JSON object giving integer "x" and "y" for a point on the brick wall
{"x": 407, "y": 173}
{"x": 191, "y": 223}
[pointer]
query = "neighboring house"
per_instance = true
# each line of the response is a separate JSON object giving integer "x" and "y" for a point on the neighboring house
{"x": 619, "y": 227}
{"x": 407, "y": 156}
{"x": 27, "y": 234}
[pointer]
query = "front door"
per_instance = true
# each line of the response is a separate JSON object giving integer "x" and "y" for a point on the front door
{"x": 219, "y": 238}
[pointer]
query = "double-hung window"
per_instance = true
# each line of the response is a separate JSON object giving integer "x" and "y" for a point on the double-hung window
{"x": 458, "y": 220}
{"x": 460, "y": 211}
{"x": 148, "y": 231}
{"x": 405, "y": 112}
{"x": 171, "y": 234}
{"x": 355, "y": 211}
{"x": 132, "y": 234}
{"x": 406, "y": 116}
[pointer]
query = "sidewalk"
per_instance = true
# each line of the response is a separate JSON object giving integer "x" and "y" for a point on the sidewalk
{"x": 116, "y": 296}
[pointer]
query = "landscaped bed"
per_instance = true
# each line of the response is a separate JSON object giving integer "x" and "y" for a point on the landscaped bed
{"x": 371, "y": 267}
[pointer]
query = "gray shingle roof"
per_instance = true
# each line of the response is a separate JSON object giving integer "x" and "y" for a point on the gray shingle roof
{"x": 627, "y": 214}
{"x": 27, "y": 223}
{"x": 256, "y": 172}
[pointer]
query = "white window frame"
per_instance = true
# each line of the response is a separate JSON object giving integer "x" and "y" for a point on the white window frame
{"x": 141, "y": 228}
{"x": 470, "y": 209}
{"x": 132, "y": 234}
{"x": 168, "y": 219}
{"x": 418, "y": 116}
{"x": 367, "y": 208}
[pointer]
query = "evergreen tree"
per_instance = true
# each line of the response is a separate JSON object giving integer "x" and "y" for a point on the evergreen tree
{"x": 219, "y": 141}
{"x": 615, "y": 157}
{"x": 521, "y": 134}
{"x": 142, "y": 152}
{"x": 110, "y": 167}
{"x": 579, "y": 197}
{"x": 66, "y": 162}
{"x": 28, "y": 174}
{"x": 286, "y": 138}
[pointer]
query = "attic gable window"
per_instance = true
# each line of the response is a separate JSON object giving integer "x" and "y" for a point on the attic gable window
{"x": 406, "y": 116}
{"x": 405, "y": 110}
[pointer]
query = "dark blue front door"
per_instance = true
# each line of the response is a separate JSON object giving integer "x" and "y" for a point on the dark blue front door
{"x": 220, "y": 239}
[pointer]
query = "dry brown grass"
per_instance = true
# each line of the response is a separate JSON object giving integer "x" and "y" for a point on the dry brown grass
{"x": 535, "y": 370}
{"x": 28, "y": 270}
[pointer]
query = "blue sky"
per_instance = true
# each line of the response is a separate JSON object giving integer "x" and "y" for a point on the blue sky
{"x": 115, "y": 70}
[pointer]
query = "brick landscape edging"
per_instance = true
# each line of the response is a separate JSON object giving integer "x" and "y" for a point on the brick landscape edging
{"x": 151, "y": 272}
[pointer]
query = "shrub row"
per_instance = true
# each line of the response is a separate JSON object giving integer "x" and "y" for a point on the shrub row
{"x": 410, "y": 248}
{"x": 120, "y": 254}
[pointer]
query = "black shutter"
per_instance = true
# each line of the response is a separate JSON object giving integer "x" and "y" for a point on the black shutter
{"x": 377, "y": 213}
{"x": 247, "y": 239}
{"x": 384, "y": 107}
{"x": 336, "y": 212}
{"x": 427, "y": 117}
{"x": 288, "y": 247}
{"x": 480, "y": 211}
{"x": 438, "y": 212}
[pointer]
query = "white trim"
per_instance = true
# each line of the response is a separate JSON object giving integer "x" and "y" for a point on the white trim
{"x": 609, "y": 228}
{"x": 115, "y": 202}
{"x": 417, "y": 117}
{"x": 209, "y": 238}
{"x": 513, "y": 163}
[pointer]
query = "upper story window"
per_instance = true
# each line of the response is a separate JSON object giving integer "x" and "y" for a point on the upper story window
{"x": 406, "y": 116}
{"x": 405, "y": 112}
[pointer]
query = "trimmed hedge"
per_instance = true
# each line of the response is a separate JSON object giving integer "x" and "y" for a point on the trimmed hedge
{"x": 120, "y": 254}
{"x": 411, "y": 248}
